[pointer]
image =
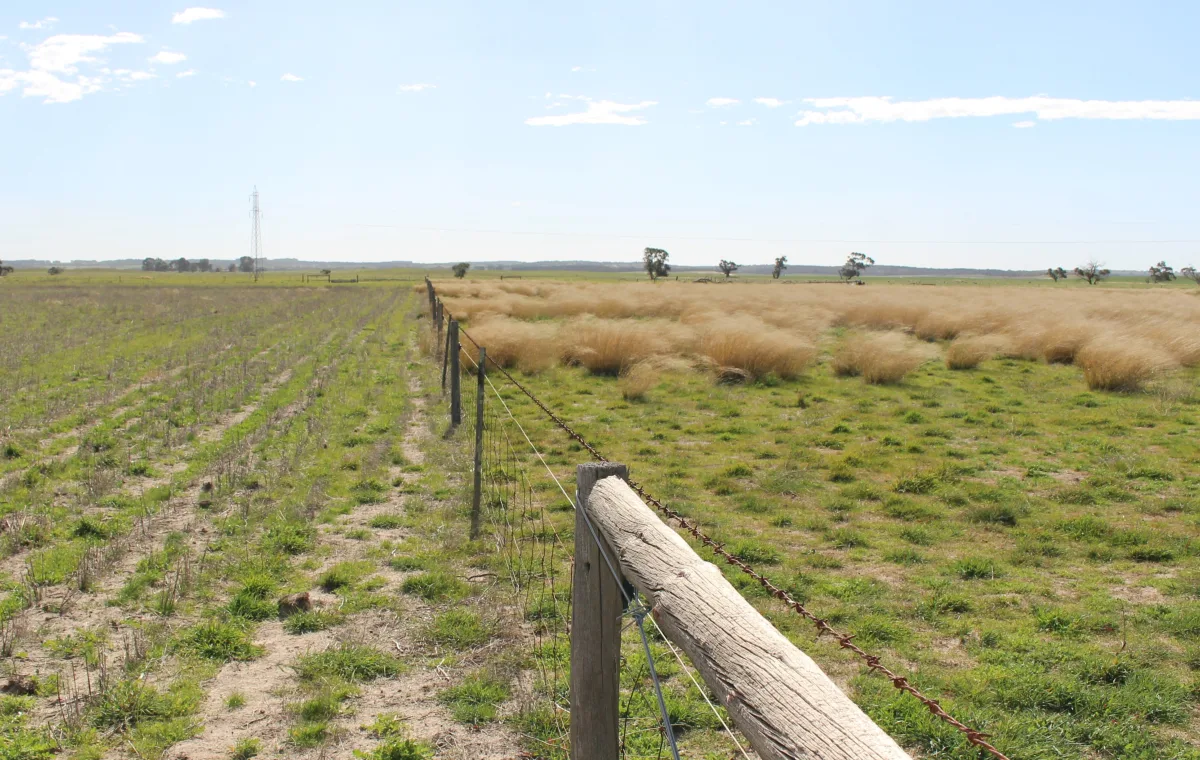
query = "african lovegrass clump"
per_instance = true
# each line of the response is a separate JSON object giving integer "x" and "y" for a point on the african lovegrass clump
{"x": 1122, "y": 364}
{"x": 879, "y": 358}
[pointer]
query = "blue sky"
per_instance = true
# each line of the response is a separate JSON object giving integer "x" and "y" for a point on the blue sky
{"x": 987, "y": 134}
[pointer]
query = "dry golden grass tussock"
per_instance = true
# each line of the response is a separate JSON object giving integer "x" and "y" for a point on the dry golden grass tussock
{"x": 880, "y": 313}
{"x": 1121, "y": 363}
{"x": 969, "y": 351}
{"x": 754, "y": 346}
{"x": 637, "y": 380}
{"x": 1043, "y": 324}
{"x": 1061, "y": 342}
{"x": 880, "y": 358}
{"x": 607, "y": 346}
{"x": 529, "y": 346}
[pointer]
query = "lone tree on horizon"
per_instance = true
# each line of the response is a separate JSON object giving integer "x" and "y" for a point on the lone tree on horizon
{"x": 1160, "y": 272}
{"x": 727, "y": 268}
{"x": 460, "y": 269}
{"x": 856, "y": 264}
{"x": 5, "y": 269}
{"x": 654, "y": 260}
{"x": 1188, "y": 272}
{"x": 1057, "y": 274}
{"x": 1092, "y": 271}
{"x": 780, "y": 265}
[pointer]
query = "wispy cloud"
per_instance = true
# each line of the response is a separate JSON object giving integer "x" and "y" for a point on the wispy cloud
{"x": 291, "y": 78}
{"x": 186, "y": 74}
{"x": 1024, "y": 124}
{"x": 168, "y": 58}
{"x": 188, "y": 15}
{"x": 578, "y": 69}
{"x": 54, "y": 64}
{"x": 598, "y": 112}
{"x": 747, "y": 123}
{"x": 252, "y": 83}
{"x": 770, "y": 102}
{"x": 721, "y": 102}
{"x": 127, "y": 75}
{"x": 864, "y": 110}
{"x": 421, "y": 87}
{"x": 45, "y": 23}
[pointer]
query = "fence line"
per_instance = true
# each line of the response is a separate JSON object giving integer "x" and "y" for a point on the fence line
{"x": 631, "y": 605}
{"x": 845, "y": 641}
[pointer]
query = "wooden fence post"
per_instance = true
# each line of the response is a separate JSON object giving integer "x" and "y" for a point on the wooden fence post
{"x": 437, "y": 319}
{"x": 477, "y": 494}
{"x": 455, "y": 378}
{"x": 778, "y": 697}
{"x": 595, "y": 630}
{"x": 445, "y": 349}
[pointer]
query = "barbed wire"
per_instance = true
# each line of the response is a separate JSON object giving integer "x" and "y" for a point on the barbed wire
{"x": 845, "y": 641}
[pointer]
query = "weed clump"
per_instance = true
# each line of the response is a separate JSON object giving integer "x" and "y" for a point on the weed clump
{"x": 459, "y": 629}
{"x": 349, "y": 662}
{"x": 476, "y": 699}
{"x": 436, "y": 586}
{"x": 311, "y": 621}
{"x": 219, "y": 641}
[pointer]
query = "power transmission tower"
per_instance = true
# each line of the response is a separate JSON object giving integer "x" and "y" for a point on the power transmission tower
{"x": 256, "y": 234}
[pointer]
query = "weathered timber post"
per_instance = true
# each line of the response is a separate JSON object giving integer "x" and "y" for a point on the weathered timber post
{"x": 477, "y": 494}
{"x": 437, "y": 319}
{"x": 445, "y": 359}
{"x": 779, "y": 698}
{"x": 595, "y": 628}
{"x": 455, "y": 377}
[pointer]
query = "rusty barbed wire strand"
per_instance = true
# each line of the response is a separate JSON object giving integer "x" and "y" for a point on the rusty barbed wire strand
{"x": 845, "y": 641}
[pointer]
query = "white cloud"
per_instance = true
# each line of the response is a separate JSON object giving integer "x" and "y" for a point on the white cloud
{"x": 168, "y": 58}
{"x": 54, "y": 66}
{"x": 1024, "y": 124}
{"x": 770, "y": 102}
{"x": 252, "y": 83}
{"x": 577, "y": 69}
{"x": 45, "y": 23}
{"x": 61, "y": 53}
{"x": 598, "y": 112}
{"x": 721, "y": 102}
{"x": 865, "y": 110}
{"x": 186, "y": 74}
{"x": 291, "y": 78}
{"x": 421, "y": 87}
{"x": 189, "y": 15}
{"x": 128, "y": 75}
{"x": 746, "y": 123}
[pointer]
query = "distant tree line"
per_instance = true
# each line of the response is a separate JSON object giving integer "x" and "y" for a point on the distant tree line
{"x": 244, "y": 264}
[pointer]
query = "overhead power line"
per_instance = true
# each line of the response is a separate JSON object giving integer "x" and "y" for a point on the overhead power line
{"x": 847, "y": 241}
